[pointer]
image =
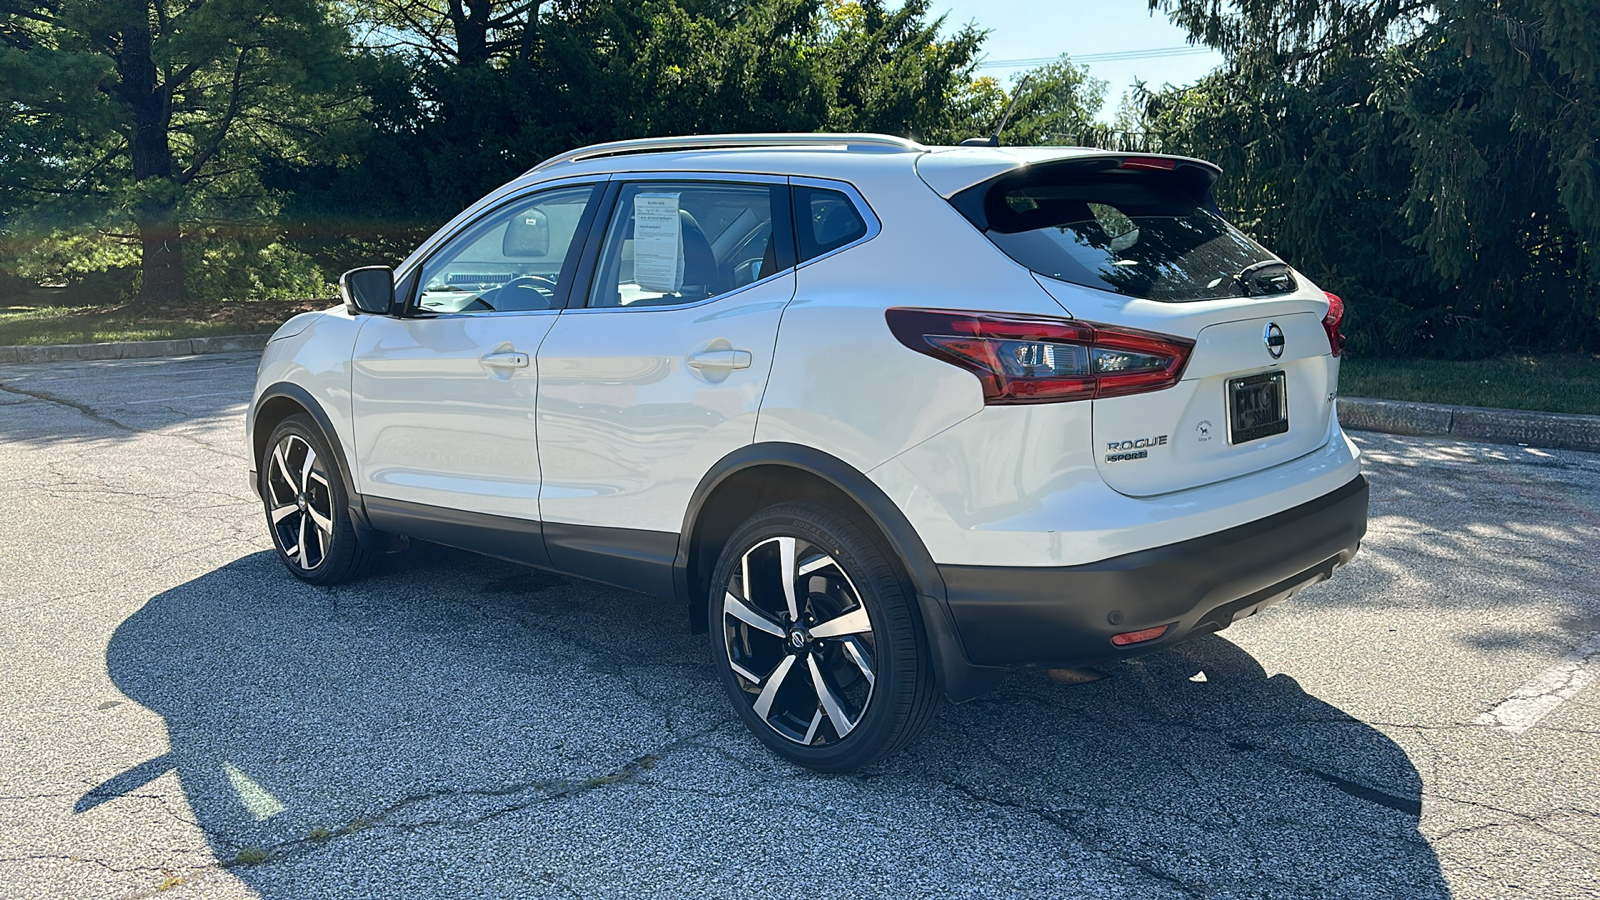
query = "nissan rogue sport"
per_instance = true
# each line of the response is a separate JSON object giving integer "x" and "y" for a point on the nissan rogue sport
{"x": 890, "y": 420}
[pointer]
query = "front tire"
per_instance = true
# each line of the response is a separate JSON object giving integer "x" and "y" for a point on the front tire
{"x": 818, "y": 641}
{"x": 308, "y": 512}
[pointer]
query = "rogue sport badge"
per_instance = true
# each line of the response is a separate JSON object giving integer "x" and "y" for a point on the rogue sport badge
{"x": 1273, "y": 337}
{"x": 1121, "y": 451}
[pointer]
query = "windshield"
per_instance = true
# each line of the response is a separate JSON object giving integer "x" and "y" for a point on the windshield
{"x": 1132, "y": 233}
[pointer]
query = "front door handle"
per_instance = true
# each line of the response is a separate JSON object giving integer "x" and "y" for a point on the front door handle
{"x": 509, "y": 359}
{"x": 721, "y": 359}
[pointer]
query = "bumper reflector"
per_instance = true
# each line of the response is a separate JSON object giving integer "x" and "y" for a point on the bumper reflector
{"x": 1139, "y": 637}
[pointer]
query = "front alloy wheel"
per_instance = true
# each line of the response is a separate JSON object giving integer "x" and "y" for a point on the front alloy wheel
{"x": 299, "y": 502}
{"x": 819, "y": 644}
{"x": 307, "y": 510}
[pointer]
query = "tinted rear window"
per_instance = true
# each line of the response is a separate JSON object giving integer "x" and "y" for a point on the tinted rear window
{"x": 1150, "y": 235}
{"x": 825, "y": 221}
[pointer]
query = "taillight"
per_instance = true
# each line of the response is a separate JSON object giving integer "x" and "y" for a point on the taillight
{"x": 1035, "y": 359}
{"x": 1331, "y": 323}
{"x": 1139, "y": 637}
{"x": 1157, "y": 163}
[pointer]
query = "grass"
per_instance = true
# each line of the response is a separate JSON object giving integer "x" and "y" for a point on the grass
{"x": 1556, "y": 382}
{"x": 51, "y": 316}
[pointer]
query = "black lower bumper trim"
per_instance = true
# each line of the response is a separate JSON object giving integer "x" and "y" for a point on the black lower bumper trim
{"x": 1066, "y": 616}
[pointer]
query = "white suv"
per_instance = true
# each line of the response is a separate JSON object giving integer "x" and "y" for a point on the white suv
{"x": 890, "y": 420}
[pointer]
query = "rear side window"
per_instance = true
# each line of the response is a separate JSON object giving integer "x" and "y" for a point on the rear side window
{"x": 673, "y": 243}
{"x": 825, "y": 221}
{"x": 1143, "y": 234}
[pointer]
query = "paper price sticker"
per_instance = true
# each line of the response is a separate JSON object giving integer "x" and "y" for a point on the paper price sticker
{"x": 657, "y": 243}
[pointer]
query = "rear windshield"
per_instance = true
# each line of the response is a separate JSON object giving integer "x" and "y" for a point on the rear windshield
{"x": 1143, "y": 234}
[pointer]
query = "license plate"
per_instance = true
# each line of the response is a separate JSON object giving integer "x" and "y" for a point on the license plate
{"x": 1257, "y": 407}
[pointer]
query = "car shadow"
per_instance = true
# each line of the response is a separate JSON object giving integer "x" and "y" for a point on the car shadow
{"x": 457, "y": 725}
{"x": 1197, "y": 764}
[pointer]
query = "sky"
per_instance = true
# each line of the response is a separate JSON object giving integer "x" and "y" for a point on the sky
{"x": 1026, "y": 33}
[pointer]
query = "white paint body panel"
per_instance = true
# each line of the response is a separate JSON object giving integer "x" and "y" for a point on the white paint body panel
{"x": 1230, "y": 342}
{"x": 312, "y": 351}
{"x": 1195, "y": 413}
{"x": 435, "y": 425}
{"x": 841, "y": 382}
{"x": 1017, "y": 486}
{"x": 626, "y": 427}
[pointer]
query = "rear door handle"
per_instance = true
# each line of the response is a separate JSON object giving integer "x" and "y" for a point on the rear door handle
{"x": 721, "y": 359}
{"x": 512, "y": 359}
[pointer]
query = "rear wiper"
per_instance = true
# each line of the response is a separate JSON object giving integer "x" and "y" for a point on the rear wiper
{"x": 1269, "y": 276}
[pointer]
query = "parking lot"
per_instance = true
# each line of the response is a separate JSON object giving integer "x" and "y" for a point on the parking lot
{"x": 186, "y": 719}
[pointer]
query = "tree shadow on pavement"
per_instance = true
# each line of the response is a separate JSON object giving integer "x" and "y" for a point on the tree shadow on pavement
{"x": 459, "y": 726}
{"x": 1475, "y": 524}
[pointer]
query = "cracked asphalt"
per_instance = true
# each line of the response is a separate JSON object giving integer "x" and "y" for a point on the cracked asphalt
{"x": 182, "y": 718}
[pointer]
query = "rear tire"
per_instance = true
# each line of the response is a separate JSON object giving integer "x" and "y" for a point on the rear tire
{"x": 308, "y": 511}
{"x": 833, "y": 672}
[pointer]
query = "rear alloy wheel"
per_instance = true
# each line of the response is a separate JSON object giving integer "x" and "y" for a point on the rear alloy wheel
{"x": 307, "y": 510}
{"x": 817, "y": 640}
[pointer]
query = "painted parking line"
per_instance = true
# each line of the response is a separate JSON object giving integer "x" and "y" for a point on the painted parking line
{"x": 1547, "y": 691}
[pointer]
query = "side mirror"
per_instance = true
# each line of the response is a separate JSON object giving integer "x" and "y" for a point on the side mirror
{"x": 527, "y": 236}
{"x": 368, "y": 290}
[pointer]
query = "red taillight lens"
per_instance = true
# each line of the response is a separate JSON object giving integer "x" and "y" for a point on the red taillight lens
{"x": 1034, "y": 359}
{"x": 1150, "y": 162}
{"x": 1139, "y": 637}
{"x": 1332, "y": 321}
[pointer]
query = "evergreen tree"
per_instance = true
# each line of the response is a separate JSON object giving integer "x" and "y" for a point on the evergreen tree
{"x": 1439, "y": 160}
{"x": 443, "y": 133}
{"x": 151, "y": 113}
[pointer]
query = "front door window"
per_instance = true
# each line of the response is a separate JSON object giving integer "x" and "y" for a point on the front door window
{"x": 515, "y": 259}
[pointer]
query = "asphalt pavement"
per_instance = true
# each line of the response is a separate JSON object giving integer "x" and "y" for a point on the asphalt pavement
{"x": 184, "y": 719}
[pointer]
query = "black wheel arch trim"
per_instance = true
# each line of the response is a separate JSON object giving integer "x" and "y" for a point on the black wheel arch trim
{"x": 288, "y": 390}
{"x": 958, "y": 678}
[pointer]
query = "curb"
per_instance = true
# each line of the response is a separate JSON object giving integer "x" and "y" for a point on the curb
{"x": 1556, "y": 431}
{"x": 232, "y": 343}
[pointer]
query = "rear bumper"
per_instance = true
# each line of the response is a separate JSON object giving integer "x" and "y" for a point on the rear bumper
{"x": 1016, "y": 616}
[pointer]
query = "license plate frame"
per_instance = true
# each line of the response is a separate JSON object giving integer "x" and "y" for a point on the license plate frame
{"x": 1258, "y": 406}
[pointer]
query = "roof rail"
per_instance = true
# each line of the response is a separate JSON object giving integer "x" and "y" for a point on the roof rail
{"x": 728, "y": 142}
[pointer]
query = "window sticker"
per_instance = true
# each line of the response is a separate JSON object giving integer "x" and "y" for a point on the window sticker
{"x": 657, "y": 243}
